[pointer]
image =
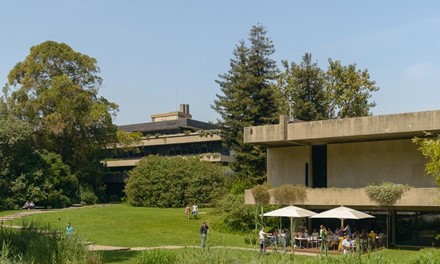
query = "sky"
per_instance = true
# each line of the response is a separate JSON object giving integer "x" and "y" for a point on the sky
{"x": 155, "y": 55}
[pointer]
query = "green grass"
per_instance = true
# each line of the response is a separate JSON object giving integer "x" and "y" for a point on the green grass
{"x": 127, "y": 226}
{"x": 4, "y": 213}
{"x": 123, "y": 225}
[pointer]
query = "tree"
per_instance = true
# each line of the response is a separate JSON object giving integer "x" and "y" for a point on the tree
{"x": 27, "y": 174}
{"x": 55, "y": 89}
{"x": 173, "y": 182}
{"x": 249, "y": 98}
{"x": 430, "y": 149}
{"x": 303, "y": 86}
{"x": 310, "y": 93}
{"x": 348, "y": 91}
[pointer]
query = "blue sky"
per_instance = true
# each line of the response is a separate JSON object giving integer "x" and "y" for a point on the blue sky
{"x": 155, "y": 55}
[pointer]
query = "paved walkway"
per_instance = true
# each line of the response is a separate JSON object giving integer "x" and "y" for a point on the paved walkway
{"x": 95, "y": 247}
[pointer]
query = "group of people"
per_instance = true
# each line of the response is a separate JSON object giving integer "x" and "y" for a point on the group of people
{"x": 345, "y": 239}
{"x": 275, "y": 238}
{"x": 194, "y": 212}
{"x": 28, "y": 205}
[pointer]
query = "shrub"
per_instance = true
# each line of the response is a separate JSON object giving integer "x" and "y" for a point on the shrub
{"x": 290, "y": 194}
{"x": 41, "y": 245}
{"x": 87, "y": 195}
{"x": 387, "y": 193}
{"x": 261, "y": 194}
{"x": 173, "y": 182}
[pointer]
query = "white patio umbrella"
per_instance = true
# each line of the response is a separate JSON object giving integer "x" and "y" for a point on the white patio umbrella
{"x": 342, "y": 213}
{"x": 291, "y": 212}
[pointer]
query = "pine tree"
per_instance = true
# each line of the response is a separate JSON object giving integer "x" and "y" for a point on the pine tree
{"x": 249, "y": 98}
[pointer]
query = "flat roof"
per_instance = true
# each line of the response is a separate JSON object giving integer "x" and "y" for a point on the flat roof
{"x": 183, "y": 123}
{"x": 369, "y": 128}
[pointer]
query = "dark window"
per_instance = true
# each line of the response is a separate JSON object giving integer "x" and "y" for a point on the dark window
{"x": 319, "y": 166}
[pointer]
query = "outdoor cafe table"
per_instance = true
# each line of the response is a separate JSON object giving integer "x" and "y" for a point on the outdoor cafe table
{"x": 300, "y": 239}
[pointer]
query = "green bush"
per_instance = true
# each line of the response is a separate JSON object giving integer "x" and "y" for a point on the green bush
{"x": 156, "y": 257}
{"x": 290, "y": 194}
{"x": 173, "y": 182}
{"x": 87, "y": 195}
{"x": 387, "y": 193}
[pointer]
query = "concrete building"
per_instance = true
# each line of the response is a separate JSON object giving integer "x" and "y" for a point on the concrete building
{"x": 338, "y": 158}
{"x": 169, "y": 134}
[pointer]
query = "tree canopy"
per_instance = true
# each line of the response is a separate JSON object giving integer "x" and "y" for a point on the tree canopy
{"x": 55, "y": 90}
{"x": 30, "y": 175}
{"x": 310, "y": 93}
{"x": 430, "y": 149}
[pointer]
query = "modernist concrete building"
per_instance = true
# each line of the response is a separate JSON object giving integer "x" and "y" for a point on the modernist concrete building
{"x": 169, "y": 134}
{"x": 338, "y": 158}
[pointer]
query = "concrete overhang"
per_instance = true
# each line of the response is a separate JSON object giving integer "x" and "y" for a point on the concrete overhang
{"x": 416, "y": 199}
{"x": 370, "y": 128}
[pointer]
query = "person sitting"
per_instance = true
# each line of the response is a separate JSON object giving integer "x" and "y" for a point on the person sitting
{"x": 306, "y": 233}
{"x": 315, "y": 233}
{"x": 26, "y": 205}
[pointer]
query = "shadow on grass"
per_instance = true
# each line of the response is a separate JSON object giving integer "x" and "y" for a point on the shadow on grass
{"x": 125, "y": 256}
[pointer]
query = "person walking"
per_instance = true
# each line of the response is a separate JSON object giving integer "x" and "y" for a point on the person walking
{"x": 195, "y": 211}
{"x": 204, "y": 233}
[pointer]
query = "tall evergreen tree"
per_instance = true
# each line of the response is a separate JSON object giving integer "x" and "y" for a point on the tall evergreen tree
{"x": 249, "y": 98}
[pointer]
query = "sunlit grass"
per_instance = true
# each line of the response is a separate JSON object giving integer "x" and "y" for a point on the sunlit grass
{"x": 123, "y": 225}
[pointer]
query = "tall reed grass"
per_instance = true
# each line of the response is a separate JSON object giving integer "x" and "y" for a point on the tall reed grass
{"x": 42, "y": 245}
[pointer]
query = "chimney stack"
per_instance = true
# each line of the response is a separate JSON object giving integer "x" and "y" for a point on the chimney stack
{"x": 184, "y": 108}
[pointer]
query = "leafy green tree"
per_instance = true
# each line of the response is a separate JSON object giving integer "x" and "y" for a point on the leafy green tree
{"x": 27, "y": 174}
{"x": 303, "y": 86}
{"x": 348, "y": 91}
{"x": 429, "y": 146}
{"x": 55, "y": 89}
{"x": 173, "y": 182}
{"x": 310, "y": 93}
{"x": 249, "y": 98}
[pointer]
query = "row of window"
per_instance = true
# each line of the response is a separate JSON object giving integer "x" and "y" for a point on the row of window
{"x": 172, "y": 150}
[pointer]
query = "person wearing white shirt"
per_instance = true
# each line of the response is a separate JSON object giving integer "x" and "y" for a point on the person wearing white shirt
{"x": 346, "y": 245}
{"x": 262, "y": 240}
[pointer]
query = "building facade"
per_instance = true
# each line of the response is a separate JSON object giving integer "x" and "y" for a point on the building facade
{"x": 169, "y": 134}
{"x": 338, "y": 158}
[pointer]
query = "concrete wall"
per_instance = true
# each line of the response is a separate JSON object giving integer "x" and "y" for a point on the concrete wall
{"x": 352, "y": 165}
{"x": 415, "y": 199}
{"x": 287, "y": 165}
{"x": 362, "y": 163}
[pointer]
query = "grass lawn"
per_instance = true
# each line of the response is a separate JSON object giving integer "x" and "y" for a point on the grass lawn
{"x": 124, "y": 225}
{"x": 127, "y": 226}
